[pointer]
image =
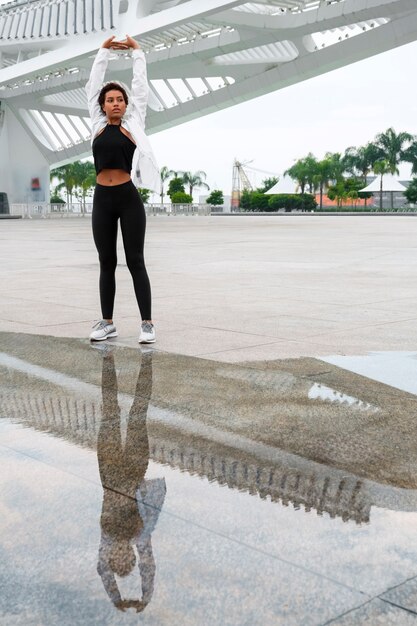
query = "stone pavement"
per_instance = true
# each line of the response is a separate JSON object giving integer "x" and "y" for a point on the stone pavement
{"x": 229, "y": 289}
{"x": 256, "y": 466}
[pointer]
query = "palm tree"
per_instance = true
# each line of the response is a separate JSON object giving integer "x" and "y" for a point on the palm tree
{"x": 324, "y": 173}
{"x": 165, "y": 173}
{"x": 393, "y": 147}
{"x": 410, "y": 155}
{"x": 310, "y": 163}
{"x": 303, "y": 171}
{"x": 194, "y": 180}
{"x": 67, "y": 174}
{"x": 298, "y": 173}
{"x": 85, "y": 177}
{"x": 382, "y": 167}
{"x": 338, "y": 192}
{"x": 361, "y": 160}
{"x": 338, "y": 165}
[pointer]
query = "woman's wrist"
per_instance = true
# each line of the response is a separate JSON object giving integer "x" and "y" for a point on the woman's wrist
{"x": 132, "y": 43}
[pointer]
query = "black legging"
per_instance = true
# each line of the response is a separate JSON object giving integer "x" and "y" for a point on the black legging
{"x": 110, "y": 204}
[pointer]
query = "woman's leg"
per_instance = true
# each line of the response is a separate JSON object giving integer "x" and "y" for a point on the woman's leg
{"x": 133, "y": 225}
{"x": 104, "y": 221}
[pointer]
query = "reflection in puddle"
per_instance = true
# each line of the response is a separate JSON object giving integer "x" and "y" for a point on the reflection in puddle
{"x": 322, "y": 392}
{"x": 274, "y": 433}
{"x": 330, "y": 442}
{"x": 190, "y": 442}
{"x": 131, "y": 504}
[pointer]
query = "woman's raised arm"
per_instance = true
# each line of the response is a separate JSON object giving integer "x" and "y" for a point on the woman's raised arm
{"x": 140, "y": 87}
{"x": 98, "y": 71}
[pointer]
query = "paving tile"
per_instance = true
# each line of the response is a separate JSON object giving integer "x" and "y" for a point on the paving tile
{"x": 41, "y": 314}
{"x": 404, "y": 595}
{"x": 376, "y": 613}
{"x": 49, "y": 562}
{"x": 261, "y": 355}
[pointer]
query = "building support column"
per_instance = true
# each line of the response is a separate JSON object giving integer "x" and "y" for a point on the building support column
{"x": 24, "y": 170}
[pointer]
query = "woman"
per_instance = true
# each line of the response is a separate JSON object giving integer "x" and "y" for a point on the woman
{"x": 123, "y": 160}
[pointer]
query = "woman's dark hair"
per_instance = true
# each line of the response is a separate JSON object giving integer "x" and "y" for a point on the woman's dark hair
{"x": 111, "y": 87}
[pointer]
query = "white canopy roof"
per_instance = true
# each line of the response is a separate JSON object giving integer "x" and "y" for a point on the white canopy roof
{"x": 389, "y": 183}
{"x": 284, "y": 185}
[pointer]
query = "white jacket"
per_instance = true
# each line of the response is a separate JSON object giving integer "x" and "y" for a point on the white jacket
{"x": 145, "y": 171}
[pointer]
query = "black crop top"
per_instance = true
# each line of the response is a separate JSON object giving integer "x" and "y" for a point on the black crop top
{"x": 113, "y": 150}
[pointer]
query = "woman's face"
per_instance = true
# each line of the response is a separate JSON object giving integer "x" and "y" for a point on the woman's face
{"x": 114, "y": 105}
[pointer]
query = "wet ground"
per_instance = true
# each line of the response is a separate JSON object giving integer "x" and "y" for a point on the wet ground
{"x": 256, "y": 466}
{"x": 140, "y": 486}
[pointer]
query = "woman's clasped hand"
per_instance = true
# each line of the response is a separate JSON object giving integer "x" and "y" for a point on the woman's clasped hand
{"x": 125, "y": 44}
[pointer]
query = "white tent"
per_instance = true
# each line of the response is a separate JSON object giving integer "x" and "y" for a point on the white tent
{"x": 284, "y": 185}
{"x": 389, "y": 183}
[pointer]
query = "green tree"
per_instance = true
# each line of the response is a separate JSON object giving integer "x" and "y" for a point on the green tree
{"x": 381, "y": 168}
{"x": 324, "y": 173}
{"x": 77, "y": 179}
{"x": 360, "y": 161}
{"x": 195, "y": 180}
{"x": 175, "y": 184}
{"x": 180, "y": 197}
{"x": 310, "y": 163}
{"x": 337, "y": 165}
{"x": 67, "y": 175}
{"x": 410, "y": 155}
{"x": 245, "y": 200}
{"x": 215, "y": 198}
{"x": 56, "y": 199}
{"x": 259, "y": 201}
{"x": 165, "y": 174}
{"x": 338, "y": 192}
{"x": 353, "y": 195}
{"x": 144, "y": 194}
{"x": 393, "y": 148}
{"x": 411, "y": 192}
{"x": 292, "y": 201}
{"x": 303, "y": 172}
{"x": 254, "y": 201}
{"x": 267, "y": 184}
{"x": 85, "y": 180}
{"x": 346, "y": 189}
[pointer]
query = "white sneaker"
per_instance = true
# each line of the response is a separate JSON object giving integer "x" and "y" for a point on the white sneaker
{"x": 104, "y": 330}
{"x": 147, "y": 333}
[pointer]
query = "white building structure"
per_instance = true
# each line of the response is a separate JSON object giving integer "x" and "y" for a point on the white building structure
{"x": 285, "y": 185}
{"x": 389, "y": 183}
{"x": 203, "y": 56}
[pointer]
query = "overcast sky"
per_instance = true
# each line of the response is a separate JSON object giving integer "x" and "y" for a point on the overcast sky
{"x": 329, "y": 113}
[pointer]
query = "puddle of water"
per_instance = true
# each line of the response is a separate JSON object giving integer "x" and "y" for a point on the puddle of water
{"x": 155, "y": 483}
{"x": 397, "y": 369}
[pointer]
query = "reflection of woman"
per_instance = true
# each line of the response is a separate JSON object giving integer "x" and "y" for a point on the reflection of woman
{"x": 130, "y": 508}
{"x": 123, "y": 159}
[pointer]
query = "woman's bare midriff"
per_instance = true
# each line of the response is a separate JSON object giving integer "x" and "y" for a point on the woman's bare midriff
{"x": 112, "y": 177}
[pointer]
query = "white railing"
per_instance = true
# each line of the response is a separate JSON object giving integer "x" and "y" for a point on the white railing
{"x": 177, "y": 209}
{"x": 44, "y": 210}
